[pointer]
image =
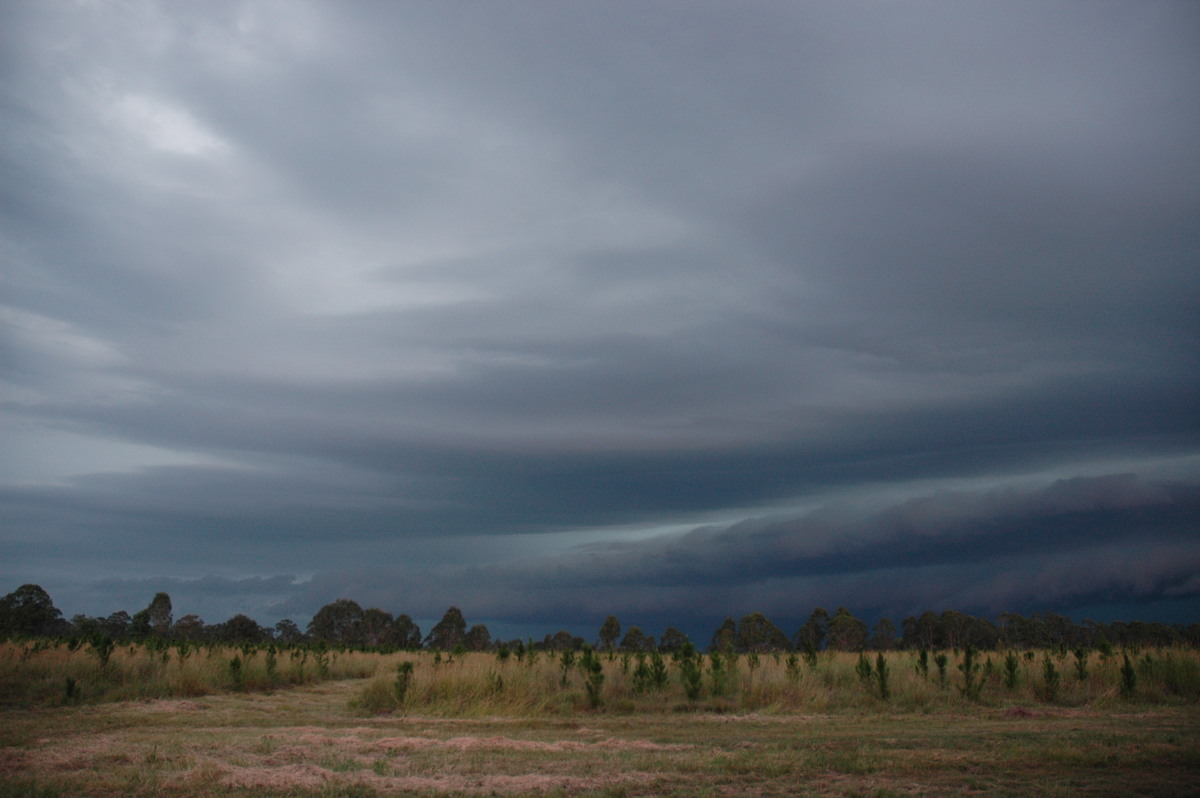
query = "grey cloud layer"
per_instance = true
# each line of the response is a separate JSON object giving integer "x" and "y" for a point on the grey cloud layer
{"x": 329, "y": 284}
{"x": 1117, "y": 537}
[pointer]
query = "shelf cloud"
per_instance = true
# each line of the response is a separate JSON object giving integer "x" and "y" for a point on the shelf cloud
{"x": 678, "y": 311}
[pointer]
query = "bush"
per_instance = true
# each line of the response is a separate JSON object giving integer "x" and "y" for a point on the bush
{"x": 690, "y": 674}
{"x": 1128, "y": 678}
{"x": 404, "y": 675}
{"x": 1012, "y": 670}
{"x": 881, "y": 672}
{"x": 969, "y": 668}
{"x": 1050, "y": 680}
{"x": 593, "y": 676}
{"x": 378, "y": 697}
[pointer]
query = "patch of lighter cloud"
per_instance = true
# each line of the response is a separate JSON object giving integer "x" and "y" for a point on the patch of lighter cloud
{"x": 334, "y": 279}
{"x": 59, "y": 340}
{"x": 36, "y": 454}
{"x": 166, "y": 127}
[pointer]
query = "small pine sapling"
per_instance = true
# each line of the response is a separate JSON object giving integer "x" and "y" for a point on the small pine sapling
{"x": 863, "y": 668}
{"x": 923, "y": 663}
{"x": 940, "y": 660}
{"x": 969, "y": 668}
{"x": 641, "y": 674}
{"x": 881, "y": 673}
{"x": 658, "y": 671}
{"x": 1081, "y": 662}
{"x": 718, "y": 674}
{"x": 792, "y": 667}
{"x": 237, "y": 679}
{"x": 404, "y": 677}
{"x": 1128, "y": 678}
{"x": 1012, "y": 666}
{"x": 102, "y": 647}
{"x": 690, "y": 673}
{"x": 1050, "y": 680}
{"x": 567, "y": 662}
{"x": 593, "y": 676}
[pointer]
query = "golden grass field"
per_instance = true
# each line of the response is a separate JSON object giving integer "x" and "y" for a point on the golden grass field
{"x": 474, "y": 725}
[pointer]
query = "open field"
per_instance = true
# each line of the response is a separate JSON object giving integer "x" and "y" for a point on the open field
{"x": 310, "y": 741}
{"x": 145, "y": 724}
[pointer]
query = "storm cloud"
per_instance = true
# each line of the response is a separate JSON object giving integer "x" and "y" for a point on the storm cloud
{"x": 551, "y": 311}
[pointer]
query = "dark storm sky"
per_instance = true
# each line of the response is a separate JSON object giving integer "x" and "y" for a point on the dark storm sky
{"x": 551, "y": 310}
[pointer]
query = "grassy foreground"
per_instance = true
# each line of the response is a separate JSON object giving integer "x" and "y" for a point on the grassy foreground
{"x": 310, "y": 741}
{"x": 358, "y": 724}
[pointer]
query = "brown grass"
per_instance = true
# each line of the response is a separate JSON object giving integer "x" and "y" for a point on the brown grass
{"x": 478, "y": 726}
{"x": 309, "y": 742}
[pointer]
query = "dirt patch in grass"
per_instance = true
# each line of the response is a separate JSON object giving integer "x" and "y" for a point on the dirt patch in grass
{"x": 285, "y": 777}
{"x": 497, "y": 743}
{"x": 167, "y": 705}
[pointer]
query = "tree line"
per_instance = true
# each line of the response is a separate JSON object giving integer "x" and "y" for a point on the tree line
{"x": 29, "y": 612}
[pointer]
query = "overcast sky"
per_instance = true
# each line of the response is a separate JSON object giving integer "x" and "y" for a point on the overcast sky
{"x": 554, "y": 310}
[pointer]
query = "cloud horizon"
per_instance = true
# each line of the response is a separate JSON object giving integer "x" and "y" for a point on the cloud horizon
{"x": 675, "y": 307}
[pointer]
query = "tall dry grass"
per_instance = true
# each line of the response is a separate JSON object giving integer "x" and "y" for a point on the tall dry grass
{"x": 483, "y": 684}
{"x": 49, "y": 673}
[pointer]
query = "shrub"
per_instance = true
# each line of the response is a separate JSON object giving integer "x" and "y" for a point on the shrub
{"x": 1012, "y": 671}
{"x": 658, "y": 671}
{"x": 792, "y": 666}
{"x": 378, "y": 697}
{"x": 593, "y": 676}
{"x": 719, "y": 674}
{"x": 881, "y": 671}
{"x": 863, "y": 668}
{"x": 237, "y": 679}
{"x": 1050, "y": 680}
{"x": 969, "y": 668}
{"x": 690, "y": 673}
{"x": 404, "y": 677}
{"x": 641, "y": 674}
{"x": 567, "y": 662}
{"x": 940, "y": 659}
{"x": 923, "y": 663}
{"x": 1128, "y": 678}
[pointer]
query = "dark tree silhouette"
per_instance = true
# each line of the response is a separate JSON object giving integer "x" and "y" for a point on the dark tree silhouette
{"x": 811, "y": 636}
{"x": 477, "y": 638}
{"x": 846, "y": 633}
{"x": 449, "y": 632}
{"x": 610, "y": 632}
{"x": 725, "y": 638}
{"x": 338, "y": 622}
{"x": 636, "y": 640}
{"x": 375, "y": 628}
{"x": 405, "y": 633}
{"x": 756, "y": 633}
{"x": 28, "y": 611}
{"x": 672, "y": 640}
